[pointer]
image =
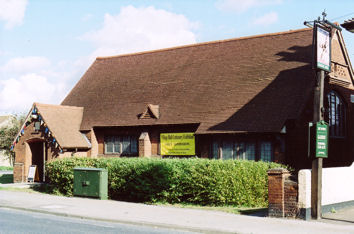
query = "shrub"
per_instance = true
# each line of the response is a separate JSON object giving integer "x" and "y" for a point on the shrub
{"x": 197, "y": 181}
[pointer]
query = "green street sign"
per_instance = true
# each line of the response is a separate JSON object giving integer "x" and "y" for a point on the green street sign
{"x": 321, "y": 140}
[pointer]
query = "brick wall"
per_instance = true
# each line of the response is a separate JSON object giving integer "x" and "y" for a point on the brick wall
{"x": 24, "y": 157}
{"x": 290, "y": 197}
{"x": 282, "y": 194}
{"x": 153, "y": 131}
{"x": 23, "y": 154}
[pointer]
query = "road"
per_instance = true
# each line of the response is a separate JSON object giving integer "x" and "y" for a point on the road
{"x": 19, "y": 221}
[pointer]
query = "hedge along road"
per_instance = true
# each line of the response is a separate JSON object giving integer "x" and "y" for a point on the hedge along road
{"x": 196, "y": 181}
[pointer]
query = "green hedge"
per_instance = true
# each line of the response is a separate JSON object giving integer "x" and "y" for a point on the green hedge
{"x": 197, "y": 181}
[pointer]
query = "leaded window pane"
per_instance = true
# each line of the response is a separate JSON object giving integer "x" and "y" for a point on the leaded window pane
{"x": 109, "y": 145}
{"x": 133, "y": 145}
{"x": 117, "y": 146}
{"x": 250, "y": 153}
{"x": 336, "y": 115}
{"x": 266, "y": 151}
{"x": 126, "y": 145}
{"x": 227, "y": 150}
{"x": 240, "y": 151}
{"x": 215, "y": 150}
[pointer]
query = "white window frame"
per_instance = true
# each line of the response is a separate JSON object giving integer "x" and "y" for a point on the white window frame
{"x": 118, "y": 140}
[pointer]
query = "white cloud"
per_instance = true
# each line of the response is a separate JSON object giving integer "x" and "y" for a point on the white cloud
{"x": 139, "y": 29}
{"x": 25, "y": 64}
{"x": 4, "y": 53}
{"x": 25, "y": 80}
{"x": 17, "y": 95}
{"x": 267, "y": 19}
{"x": 86, "y": 17}
{"x": 239, "y": 6}
{"x": 12, "y": 12}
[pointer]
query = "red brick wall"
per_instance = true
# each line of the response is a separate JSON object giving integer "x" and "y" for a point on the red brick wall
{"x": 22, "y": 153}
{"x": 290, "y": 197}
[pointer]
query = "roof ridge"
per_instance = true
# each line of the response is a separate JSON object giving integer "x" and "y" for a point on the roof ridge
{"x": 205, "y": 43}
{"x": 62, "y": 106}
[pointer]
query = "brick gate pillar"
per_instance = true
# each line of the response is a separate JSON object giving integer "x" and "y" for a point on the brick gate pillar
{"x": 19, "y": 173}
{"x": 276, "y": 178}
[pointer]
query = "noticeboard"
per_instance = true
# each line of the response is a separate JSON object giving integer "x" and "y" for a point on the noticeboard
{"x": 177, "y": 143}
{"x": 32, "y": 174}
{"x": 321, "y": 140}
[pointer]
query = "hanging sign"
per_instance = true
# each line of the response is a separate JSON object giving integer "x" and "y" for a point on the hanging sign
{"x": 177, "y": 143}
{"x": 323, "y": 48}
{"x": 321, "y": 140}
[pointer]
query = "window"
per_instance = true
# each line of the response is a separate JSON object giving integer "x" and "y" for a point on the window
{"x": 215, "y": 150}
{"x": 241, "y": 150}
{"x": 250, "y": 152}
{"x": 125, "y": 145}
{"x": 336, "y": 115}
{"x": 227, "y": 150}
{"x": 265, "y": 151}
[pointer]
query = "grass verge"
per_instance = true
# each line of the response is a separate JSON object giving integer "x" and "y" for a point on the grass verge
{"x": 3, "y": 168}
{"x": 47, "y": 189}
{"x": 41, "y": 188}
{"x": 227, "y": 209}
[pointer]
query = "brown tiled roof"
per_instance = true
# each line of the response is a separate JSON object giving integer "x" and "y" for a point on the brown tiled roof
{"x": 64, "y": 123}
{"x": 250, "y": 84}
{"x": 348, "y": 24}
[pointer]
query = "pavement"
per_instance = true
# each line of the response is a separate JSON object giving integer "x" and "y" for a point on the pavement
{"x": 202, "y": 221}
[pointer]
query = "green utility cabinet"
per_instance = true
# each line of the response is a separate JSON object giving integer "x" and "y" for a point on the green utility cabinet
{"x": 91, "y": 182}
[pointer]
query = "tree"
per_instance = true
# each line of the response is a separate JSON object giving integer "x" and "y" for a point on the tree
{"x": 8, "y": 134}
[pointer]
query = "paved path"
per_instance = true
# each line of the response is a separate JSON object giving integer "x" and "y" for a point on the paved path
{"x": 181, "y": 218}
{"x": 345, "y": 215}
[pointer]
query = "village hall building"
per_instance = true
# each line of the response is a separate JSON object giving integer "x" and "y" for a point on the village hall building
{"x": 248, "y": 98}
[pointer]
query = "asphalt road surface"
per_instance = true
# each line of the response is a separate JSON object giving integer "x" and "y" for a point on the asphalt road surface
{"x": 19, "y": 221}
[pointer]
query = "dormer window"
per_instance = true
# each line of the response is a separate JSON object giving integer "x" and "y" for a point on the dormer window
{"x": 151, "y": 112}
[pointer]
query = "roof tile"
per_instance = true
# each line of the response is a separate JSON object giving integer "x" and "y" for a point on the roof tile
{"x": 251, "y": 84}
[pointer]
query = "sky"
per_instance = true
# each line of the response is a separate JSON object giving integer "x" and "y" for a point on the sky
{"x": 46, "y": 46}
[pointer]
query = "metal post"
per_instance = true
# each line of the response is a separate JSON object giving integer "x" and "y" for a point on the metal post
{"x": 316, "y": 173}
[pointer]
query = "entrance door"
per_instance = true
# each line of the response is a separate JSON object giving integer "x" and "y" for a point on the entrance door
{"x": 38, "y": 157}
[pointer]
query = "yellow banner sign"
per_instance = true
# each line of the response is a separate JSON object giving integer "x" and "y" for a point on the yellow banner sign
{"x": 177, "y": 143}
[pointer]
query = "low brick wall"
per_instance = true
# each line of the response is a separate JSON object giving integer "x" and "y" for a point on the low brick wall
{"x": 282, "y": 194}
{"x": 291, "y": 209}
